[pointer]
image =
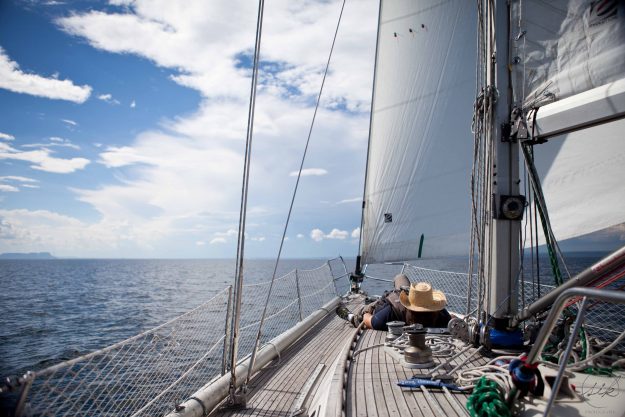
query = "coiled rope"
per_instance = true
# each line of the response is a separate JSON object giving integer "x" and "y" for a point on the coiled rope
{"x": 487, "y": 400}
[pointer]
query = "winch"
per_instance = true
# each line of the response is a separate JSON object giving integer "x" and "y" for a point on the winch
{"x": 417, "y": 353}
{"x": 395, "y": 330}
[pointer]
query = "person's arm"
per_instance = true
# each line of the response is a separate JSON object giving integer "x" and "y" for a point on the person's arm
{"x": 378, "y": 320}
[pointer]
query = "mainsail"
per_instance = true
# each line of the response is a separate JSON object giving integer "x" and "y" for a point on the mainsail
{"x": 420, "y": 148}
{"x": 569, "y": 73}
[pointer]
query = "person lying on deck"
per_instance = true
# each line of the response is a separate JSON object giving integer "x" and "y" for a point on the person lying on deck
{"x": 410, "y": 303}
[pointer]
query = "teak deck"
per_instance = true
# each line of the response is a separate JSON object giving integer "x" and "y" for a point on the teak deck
{"x": 370, "y": 389}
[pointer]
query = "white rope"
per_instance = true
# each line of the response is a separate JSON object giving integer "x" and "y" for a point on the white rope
{"x": 600, "y": 353}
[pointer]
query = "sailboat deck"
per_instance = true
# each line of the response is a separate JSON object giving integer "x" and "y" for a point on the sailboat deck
{"x": 275, "y": 389}
{"x": 373, "y": 390}
{"x": 370, "y": 390}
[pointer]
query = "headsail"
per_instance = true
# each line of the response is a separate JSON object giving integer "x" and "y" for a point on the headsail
{"x": 420, "y": 147}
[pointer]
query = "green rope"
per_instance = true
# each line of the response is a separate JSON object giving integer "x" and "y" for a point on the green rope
{"x": 487, "y": 400}
{"x": 528, "y": 153}
{"x": 582, "y": 335}
{"x": 597, "y": 370}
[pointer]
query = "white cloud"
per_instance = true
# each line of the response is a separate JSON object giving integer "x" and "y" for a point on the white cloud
{"x": 300, "y": 236}
{"x": 54, "y": 142}
{"x": 337, "y": 234}
{"x": 69, "y": 122}
{"x": 258, "y": 238}
{"x": 228, "y": 233}
{"x": 43, "y": 160}
{"x": 133, "y": 104}
{"x": 317, "y": 235}
{"x": 24, "y": 182}
{"x": 108, "y": 98}
{"x": 115, "y": 157}
{"x": 310, "y": 172}
{"x": 169, "y": 175}
{"x": 42, "y": 230}
{"x": 8, "y": 188}
{"x": 200, "y": 243}
{"x": 203, "y": 42}
{"x": 351, "y": 200}
{"x": 6, "y": 136}
{"x": 14, "y": 79}
{"x": 17, "y": 178}
{"x": 356, "y": 233}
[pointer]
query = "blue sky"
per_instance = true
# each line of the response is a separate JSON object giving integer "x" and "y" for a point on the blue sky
{"x": 123, "y": 126}
{"x": 124, "y": 123}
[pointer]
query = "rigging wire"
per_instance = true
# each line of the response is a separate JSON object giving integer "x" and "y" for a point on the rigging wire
{"x": 243, "y": 210}
{"x": 288, "y": 218}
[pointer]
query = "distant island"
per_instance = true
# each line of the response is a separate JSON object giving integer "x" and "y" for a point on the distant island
{"x": 31, "y": 255}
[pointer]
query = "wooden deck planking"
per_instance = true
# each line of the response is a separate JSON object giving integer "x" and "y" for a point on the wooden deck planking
{"x": 282, "y": 387}
{"x": 395, "y": 408}
{"x": 372, "y": 389}
{"x": 274, "y": 389}
{"x": 286, "y": 380}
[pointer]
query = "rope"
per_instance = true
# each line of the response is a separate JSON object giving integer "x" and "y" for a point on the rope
{"x": 542, "y": 211}
{"x": 487, "y": 400}
{"x": 299, "y": 175}
{"x": 600, "y": 353}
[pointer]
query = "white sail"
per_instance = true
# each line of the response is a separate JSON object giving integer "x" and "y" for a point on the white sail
{"x": 565, "y": 47}
{"x": 569, "y": 62}
{"x": 582, "y": 178}
{"x": 420, "y": 148}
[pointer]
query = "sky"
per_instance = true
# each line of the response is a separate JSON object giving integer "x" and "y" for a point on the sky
{"x": 123, "y": 127}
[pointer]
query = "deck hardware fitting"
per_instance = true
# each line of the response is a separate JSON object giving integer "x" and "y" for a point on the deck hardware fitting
{"x": 298, "y": 406}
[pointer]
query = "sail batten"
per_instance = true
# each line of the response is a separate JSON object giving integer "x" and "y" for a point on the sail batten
{"x": 420, "y": 146}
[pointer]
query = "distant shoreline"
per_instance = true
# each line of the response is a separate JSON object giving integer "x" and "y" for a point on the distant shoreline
{"x": 27, "y": 256}
{"x": 49, "y": 256}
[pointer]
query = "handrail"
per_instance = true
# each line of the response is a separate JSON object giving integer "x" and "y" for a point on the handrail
{"x": 558, "y": 306}
{"x": 594, "y": 273}
{"x": 548, "y": 325}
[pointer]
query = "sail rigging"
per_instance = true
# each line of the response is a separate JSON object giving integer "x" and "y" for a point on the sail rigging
{"x": 568, "y": 77}
{"x": 420, "y": 139}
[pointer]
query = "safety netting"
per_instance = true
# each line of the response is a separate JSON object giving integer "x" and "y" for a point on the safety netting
{"x": 152, "y": 372}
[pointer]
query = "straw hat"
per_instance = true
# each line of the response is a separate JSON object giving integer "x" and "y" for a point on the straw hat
{"x": 422, "y": 298}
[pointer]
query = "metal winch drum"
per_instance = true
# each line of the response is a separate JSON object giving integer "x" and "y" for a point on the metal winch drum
{"x": 417, "y": 353}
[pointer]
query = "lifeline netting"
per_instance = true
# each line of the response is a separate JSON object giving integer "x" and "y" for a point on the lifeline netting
{"x": 603, "y": 321}
{"x": 148, "y": 374}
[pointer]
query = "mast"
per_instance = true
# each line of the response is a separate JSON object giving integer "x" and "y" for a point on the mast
{"x": 504, "y": 202}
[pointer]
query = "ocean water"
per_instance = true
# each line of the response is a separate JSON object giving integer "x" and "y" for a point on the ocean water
{"x": 55, "y": 310}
